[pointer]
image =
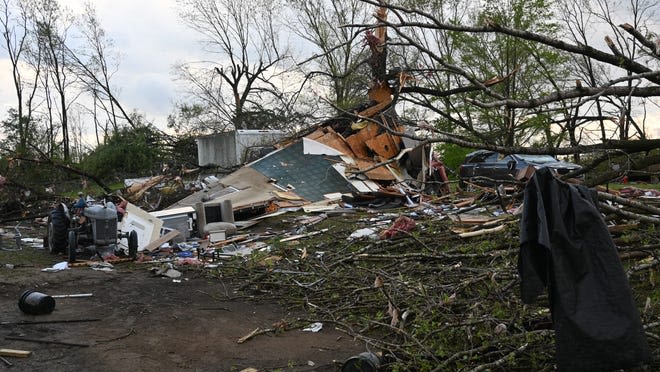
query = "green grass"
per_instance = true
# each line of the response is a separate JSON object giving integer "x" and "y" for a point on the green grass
{"x": 638, "y": 185}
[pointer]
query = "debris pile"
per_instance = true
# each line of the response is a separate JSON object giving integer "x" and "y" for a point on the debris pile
{"x": 431, "y": 283}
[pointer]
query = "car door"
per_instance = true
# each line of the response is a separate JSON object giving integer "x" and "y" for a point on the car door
{"x": 503, "y": 168}
{"x": 487, "y": 166}
{"x": 494, "y": 166}
{"x": 472, "y": 163}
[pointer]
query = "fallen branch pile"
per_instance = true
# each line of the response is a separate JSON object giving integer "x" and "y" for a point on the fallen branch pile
{"x": 430, "y": 299}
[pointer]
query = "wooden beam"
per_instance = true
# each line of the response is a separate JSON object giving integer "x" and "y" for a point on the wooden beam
{"x": 15, "y": 353}
{"x": 160, "y": 241}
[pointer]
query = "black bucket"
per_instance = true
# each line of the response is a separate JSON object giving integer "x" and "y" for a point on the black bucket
{"x": 36, "y": 303}
{"x": 363, "y": 362}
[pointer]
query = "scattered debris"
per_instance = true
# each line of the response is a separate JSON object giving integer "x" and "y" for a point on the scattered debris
{"x": 64, "y": 265}
{"x": 365, "y": 232}
{"x": 166, "y": 270}
{"x": 314, "y": 327}
{"x": 402, "y": 224}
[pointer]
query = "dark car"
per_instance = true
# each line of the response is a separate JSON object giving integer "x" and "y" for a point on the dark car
{"x": 489, "y": 168}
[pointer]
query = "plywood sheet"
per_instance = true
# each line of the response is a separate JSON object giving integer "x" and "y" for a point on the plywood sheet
{"x": 332, "y": 139}
{"x": 384, "y": 145}
{"x": 378, "y": 174}
{"x": 358, "y": 146}
{"x": 357, "y": 141}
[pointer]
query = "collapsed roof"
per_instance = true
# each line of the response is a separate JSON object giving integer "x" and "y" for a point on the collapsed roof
{"x": 364, "y": 153}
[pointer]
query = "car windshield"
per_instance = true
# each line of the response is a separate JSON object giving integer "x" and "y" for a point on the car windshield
{"x": 537, "y": 159}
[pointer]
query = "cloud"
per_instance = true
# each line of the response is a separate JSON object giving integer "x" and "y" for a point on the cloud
{"x": 7, "y": 94}
{"x": 150, "y": 39}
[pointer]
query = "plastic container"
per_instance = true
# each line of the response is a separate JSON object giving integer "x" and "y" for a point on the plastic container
{"x": 36, "y": 303}
{"x": 363, "y": 362}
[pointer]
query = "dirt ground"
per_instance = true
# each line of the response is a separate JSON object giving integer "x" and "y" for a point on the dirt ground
{"x": 140, "y": 322}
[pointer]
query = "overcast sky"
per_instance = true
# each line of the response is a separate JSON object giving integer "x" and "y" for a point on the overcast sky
{"x": 150, "y": 38}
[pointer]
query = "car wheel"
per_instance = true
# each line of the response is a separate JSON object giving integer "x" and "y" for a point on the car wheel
{"x": 73, "y": 246}
{"x": 57, "y": 232}
{"x": 132, "y": 244}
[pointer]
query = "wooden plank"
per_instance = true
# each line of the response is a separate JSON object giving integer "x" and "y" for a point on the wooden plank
{"x": 162, "y": 240}
{"x": 381, "y": 92}
{"x": 15, "y": 353}
{"x": 237, "y": 238}
{"x": 336, "y": 141}
{"x": 316, "y": 134}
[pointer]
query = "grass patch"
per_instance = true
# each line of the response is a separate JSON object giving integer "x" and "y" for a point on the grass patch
{"x": 639, "y": 185}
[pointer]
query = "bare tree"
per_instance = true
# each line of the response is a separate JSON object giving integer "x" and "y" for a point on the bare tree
{"x": 51, "y": 28}
{"x": 94, "y": 63}
{"x": 339, "y": 54}
{"x": 16, "y": 33}
{"x": 101, "y": 61}
{"x": 246, "y": 85}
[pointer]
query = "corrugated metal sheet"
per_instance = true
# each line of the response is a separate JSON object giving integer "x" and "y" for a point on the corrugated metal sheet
{"x": 229, "y": 149}
{"x": 218, "y": 149}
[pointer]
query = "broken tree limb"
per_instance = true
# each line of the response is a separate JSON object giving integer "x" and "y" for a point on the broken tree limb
{"x": 629, "y": 203}
{"x": 482, "y": 232}
{"x": 131, "y": 332}
{"x": 69, "y": 169}
{"x": 135, "y": 192}
{"x": 256, "y": 332}
{"x": 296, "y": 237}
{"x": 434, "y": 256}
{"x": 628, "y": 214}
{"x": 498, "y": 363}
{"x": 28, "y": 322}
{"x": 42, "y": 341}
{"x": 641, "y": 267}
{"x": 641, "y": 38}
{"x": 5, "y": 361}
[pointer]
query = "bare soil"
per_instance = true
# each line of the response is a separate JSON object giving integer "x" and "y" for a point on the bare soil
{"x": 153, "y": 323}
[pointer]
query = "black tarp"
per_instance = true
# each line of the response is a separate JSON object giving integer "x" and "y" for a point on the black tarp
{"x": 566, "y": 249}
